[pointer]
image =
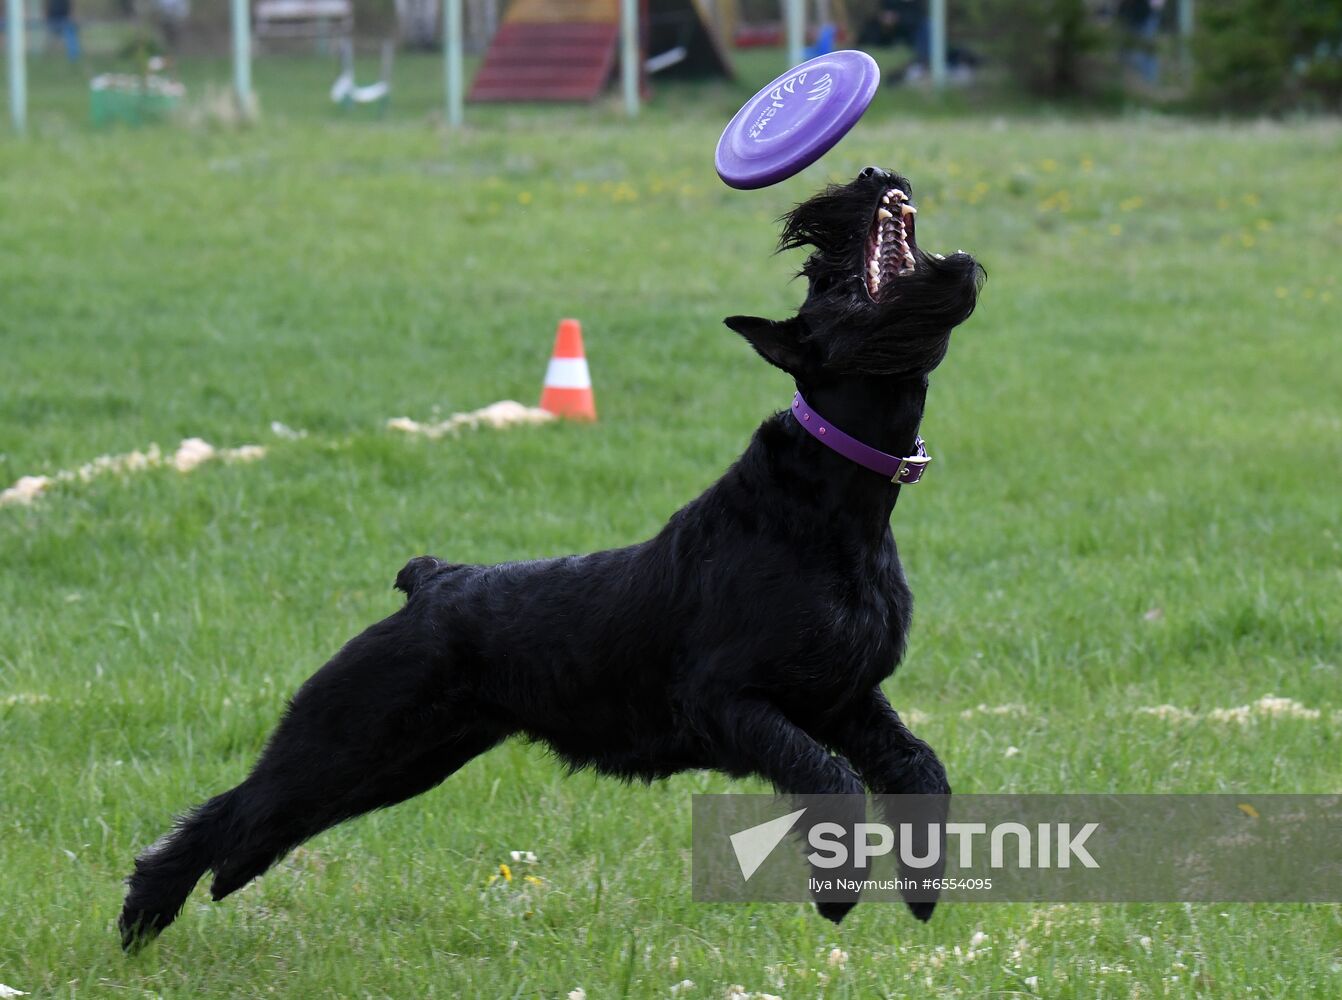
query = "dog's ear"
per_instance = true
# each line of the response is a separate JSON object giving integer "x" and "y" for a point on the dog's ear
{"x": 782, "y": 343}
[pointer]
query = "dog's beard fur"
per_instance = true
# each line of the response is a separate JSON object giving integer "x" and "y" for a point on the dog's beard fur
{"x": 750, "y": 635}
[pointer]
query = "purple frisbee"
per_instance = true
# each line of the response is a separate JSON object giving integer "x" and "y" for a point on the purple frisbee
{"x": 797, "y": 119}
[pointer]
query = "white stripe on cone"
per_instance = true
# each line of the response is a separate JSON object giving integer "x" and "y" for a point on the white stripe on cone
{"x": 568, "y": 373}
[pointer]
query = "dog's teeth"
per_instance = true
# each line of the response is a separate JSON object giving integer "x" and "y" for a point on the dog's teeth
{"x": 885, "y": 198}
{"x": 874, "y": 269}
{"x": 908, "y": 259}
{"x": 907, "y": 209}
{"x": 884, "y": 214}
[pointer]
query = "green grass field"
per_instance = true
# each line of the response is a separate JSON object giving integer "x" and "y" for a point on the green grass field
{"x": 1135, "y": 503}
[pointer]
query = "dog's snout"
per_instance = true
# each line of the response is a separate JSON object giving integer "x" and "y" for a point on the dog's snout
{"x": 870, "y": 172}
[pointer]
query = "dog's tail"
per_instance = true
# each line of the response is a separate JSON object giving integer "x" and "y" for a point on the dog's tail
{"x": 167, "y": 871}
{"x": 418, "y": 571}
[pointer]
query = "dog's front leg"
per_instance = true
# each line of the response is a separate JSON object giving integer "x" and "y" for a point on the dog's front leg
{"x": 753, "y": 736}
{"x": 893, "y": 761}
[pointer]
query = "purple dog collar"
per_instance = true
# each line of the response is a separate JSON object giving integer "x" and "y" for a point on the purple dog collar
{"x": 900, "y": 471}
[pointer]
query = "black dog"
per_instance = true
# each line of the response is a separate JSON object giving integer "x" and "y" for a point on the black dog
{"x": 749, "y": 636}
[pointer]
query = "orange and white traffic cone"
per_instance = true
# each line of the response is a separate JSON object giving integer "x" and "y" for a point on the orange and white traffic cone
{"x": 568, "y": 384}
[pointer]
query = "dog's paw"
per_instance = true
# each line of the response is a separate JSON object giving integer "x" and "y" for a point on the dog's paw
{"x": 137, "y": 930}
{"x": 834, "y": 911}
{"x": 923, "y": 911}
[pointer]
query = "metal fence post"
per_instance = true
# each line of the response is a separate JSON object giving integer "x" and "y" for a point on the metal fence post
{"x": 242, "y": 56}
{"x": 937, "y": 42}
{"x": 629, "y": 59}
{"x": 452, "y": 30}
{"x": 16, "y": 33}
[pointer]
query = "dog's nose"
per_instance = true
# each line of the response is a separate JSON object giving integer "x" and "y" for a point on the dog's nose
{"x": 876, "y": 172}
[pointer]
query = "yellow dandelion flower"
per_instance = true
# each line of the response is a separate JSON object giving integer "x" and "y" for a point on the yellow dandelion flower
{"x": 1281, "y": 292}
{"x": 524, "y": 197}
{"x": 1251, "y": 198}
{"x": 1131, "y": 204}
{"x": 1248, "y": 810}
{"x": 1263, "y": 225}
{"x": 1309, "y": 293}
{"x": 533, "y": 879}
{"x": 506, "y": 872}
{"x": 1087, "y": 164}
{"x": 1247, "y": 240}
{"x": 1115, "y": 229}
{"x": 1048, "y": 165}
{"x": 580, "y": 188}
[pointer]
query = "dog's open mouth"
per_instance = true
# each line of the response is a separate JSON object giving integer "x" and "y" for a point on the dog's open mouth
{"x": 890, "y": 242}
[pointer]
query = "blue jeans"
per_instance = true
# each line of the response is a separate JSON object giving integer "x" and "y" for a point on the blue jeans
{"x": 65, "y": 29}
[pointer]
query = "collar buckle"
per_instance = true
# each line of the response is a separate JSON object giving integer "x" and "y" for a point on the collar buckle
{"x": 910, "y": 471}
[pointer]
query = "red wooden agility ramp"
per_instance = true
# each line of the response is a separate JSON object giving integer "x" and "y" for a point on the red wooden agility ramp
{"x": 566, "y": 50}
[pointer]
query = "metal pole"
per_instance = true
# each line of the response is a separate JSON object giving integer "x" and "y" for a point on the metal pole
{"x": 452, "y": 57}
{"x": 242, "y": 55}
{"x": 16, "y": 31}
{"x": 795, "y": 14}
{"x": 937, "y": 42}
{"x": 629, "y": 58}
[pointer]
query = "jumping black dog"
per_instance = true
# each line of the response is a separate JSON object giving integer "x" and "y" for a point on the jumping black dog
{"x": 749, "y": 636}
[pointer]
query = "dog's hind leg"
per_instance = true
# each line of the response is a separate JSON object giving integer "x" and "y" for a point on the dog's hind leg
{"x": 285, "y": 801}
{"x": 166, "y": 873}
{"x": 291, "y": 799}
{"x": 892, "y": 761}
{"x": 381, "y": 722}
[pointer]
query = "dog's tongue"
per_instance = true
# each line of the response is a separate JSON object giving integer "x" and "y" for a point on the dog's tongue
{"x": 796, "y": 119}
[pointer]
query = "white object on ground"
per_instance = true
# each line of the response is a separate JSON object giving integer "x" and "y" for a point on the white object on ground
{"x": 505, "y": 413}
{"x": 194, "y": 451}
{"x": 191, "y": 453}
{"x": 1267, "y": 707}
